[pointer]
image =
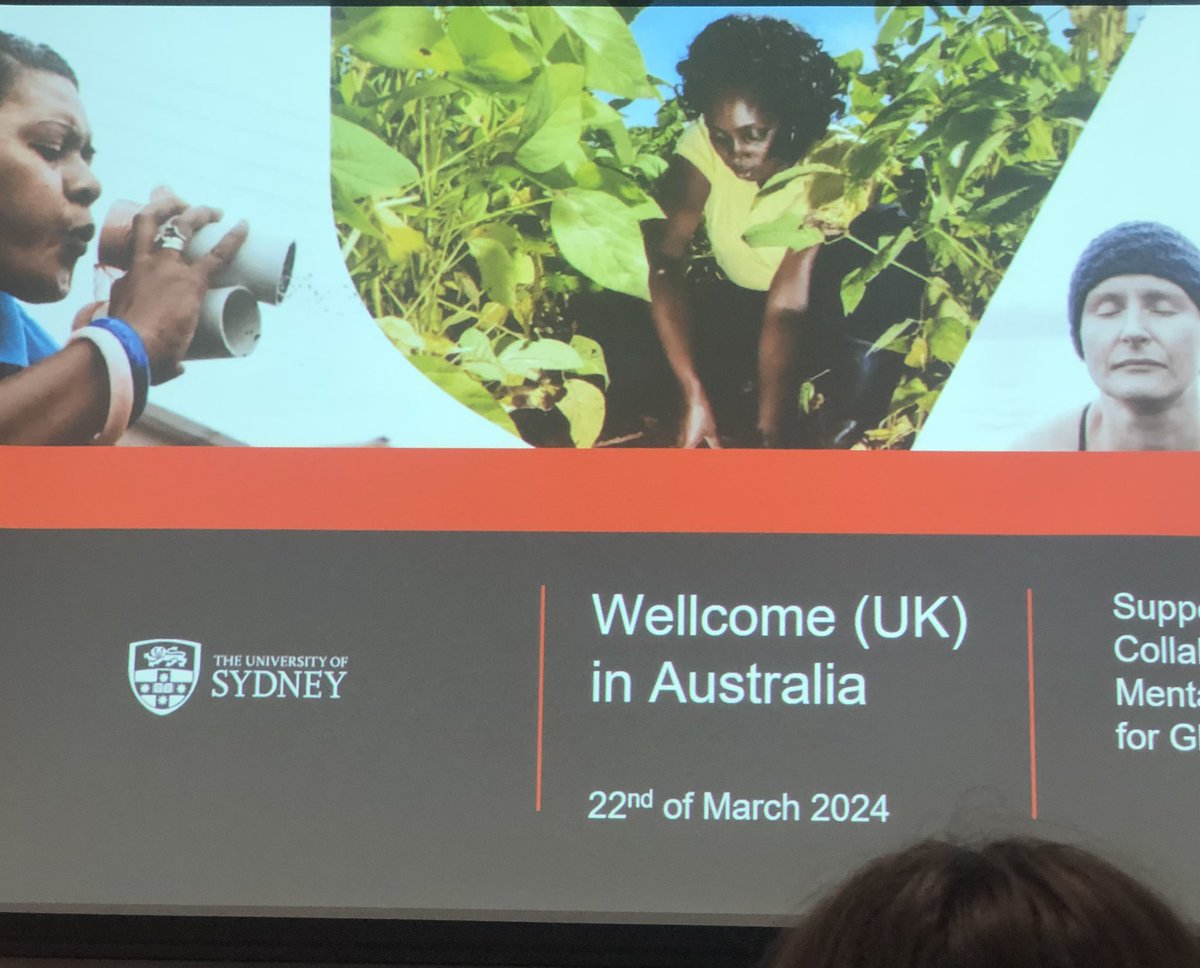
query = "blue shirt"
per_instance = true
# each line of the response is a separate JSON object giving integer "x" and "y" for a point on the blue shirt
{"x": 22, "y": 341}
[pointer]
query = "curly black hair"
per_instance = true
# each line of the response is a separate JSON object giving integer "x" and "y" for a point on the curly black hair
{"x": 17, "y": 54}
{"x": 781, "y": 65}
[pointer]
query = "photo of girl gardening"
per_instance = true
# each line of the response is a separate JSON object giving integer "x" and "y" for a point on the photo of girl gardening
{"x": 786, "y": 243}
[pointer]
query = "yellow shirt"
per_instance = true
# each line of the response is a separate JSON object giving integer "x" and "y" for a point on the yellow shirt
{"x": 735, "y": 205}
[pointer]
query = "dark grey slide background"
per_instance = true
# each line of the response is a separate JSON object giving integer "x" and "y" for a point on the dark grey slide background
{"x": 413, "y": 792}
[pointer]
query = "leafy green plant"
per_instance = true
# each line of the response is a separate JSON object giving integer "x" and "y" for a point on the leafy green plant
{"x": 479, "y": 181}
{"x": 966, "y": 122}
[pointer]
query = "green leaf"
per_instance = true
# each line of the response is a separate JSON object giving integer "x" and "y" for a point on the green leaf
{"x": 507, "y": 235}
{"x": 1076, "y": 105}
{"x": 496, "y": 268}
{"x": 852, "y": 292}
{"x": 853, "y": 287}
{"x": 908, "y": 393}
{"x": 349, "y": 86}
{"x": 463, "y": 388}
{"x": 486, "y": 48}
{"x": 916, "y": 27}
{"x": 601, "y": 238}
{"x": 347, "y": 211}
{"x": 598, "y": 115}
{"x": 802, "y": 170}
{"x": 971, "y": 138}
{"x": 475, "y": 343}
{"x": 867, "y": 158}
{"x": 788, "y": 230}
{"x": 533, "y": 357}
{"x": 891, "y": 28}
{"x": 592, "y": 355}
{"x": 401, "y": 240}
{"x": 889, "y": 248}
{"x": 890, "y": 335}
{"x": 979, "y": 155}
{"x": 825, "y": 190}
{"x": 807, "y": 396}
{"x": 493, "y": 315}
{"x": 589, "y": 175}
{"x": 524, "y": 270}
{"x": 547, "y": 25}
{"x": 652, "y": 166}
{"x": 613, "y": 60}
{"x": 553, "y": 123}
{"x": 864, "y": 99}
{"x": 851, "y": 62}
{"x": 1041, "y": 141}
{"x": 404, "y": 38}
{"x": 433, "y": 88}
{"x": 908, "y": 109}
{"x": 918, "y": 354}
{"x": 474, "y": 204}
{"x": 948, "y": 340}
{"x": 928, "y": 53}
{"x": 950, "y": 307}
{"x": 475, "y": 355}
{"x": 583, "y": 406}
{"x": 363, "y": 164}
{"x": 1009, "y": 206}
{"x": 613, "y": 182}
{"x": 515, "y": 22}
{"x": 402, "y": 333}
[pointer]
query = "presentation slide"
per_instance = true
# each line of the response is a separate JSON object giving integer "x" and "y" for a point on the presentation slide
{"x": 599, "y": 727}
{"x": 590, "y": 464}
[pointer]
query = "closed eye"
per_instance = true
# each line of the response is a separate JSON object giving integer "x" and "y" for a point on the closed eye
{"x": 1107, "y": 307}
{"x": 1164, "y": 306}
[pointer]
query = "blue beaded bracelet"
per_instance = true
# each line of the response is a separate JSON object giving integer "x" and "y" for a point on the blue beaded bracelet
{"x": 139, "y": 363}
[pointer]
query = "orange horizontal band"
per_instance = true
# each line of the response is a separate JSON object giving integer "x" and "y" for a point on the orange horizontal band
{"x": 607, "y": 491}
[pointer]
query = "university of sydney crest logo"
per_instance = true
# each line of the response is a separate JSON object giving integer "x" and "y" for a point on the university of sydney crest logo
{"x": 163, "y": 673}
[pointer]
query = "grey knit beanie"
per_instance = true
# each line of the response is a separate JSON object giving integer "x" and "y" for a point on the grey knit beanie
{"x": 1133, "y": 249}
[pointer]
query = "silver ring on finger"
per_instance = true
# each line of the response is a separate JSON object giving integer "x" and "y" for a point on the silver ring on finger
{"x": 169, "y": 237}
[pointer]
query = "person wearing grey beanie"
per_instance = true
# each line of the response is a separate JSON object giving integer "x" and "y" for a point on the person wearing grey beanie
{"x": 1132, "y": 309}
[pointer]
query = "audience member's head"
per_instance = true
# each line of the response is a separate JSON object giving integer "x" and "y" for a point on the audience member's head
{"x": 1007, "y": 904}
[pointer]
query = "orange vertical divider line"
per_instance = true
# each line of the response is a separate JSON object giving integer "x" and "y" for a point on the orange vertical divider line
{"x": 537, "y": 795}
{"x": 1033, "y": 789}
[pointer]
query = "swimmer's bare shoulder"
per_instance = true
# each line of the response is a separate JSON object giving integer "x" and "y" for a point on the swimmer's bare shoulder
{"x": 1061, "y": 433}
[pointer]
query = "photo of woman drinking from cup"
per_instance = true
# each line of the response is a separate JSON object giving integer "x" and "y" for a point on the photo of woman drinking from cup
{"x": 93, "y": 388}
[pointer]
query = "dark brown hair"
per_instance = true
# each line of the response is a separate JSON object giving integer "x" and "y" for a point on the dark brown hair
{"x": 1006, "y": 904}
{"x": 781, "y": 65}
{"x": 17, "y": 54}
